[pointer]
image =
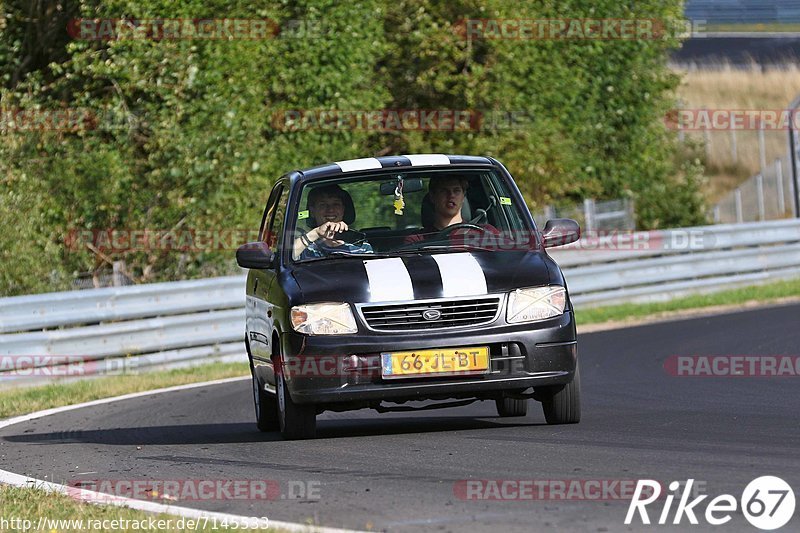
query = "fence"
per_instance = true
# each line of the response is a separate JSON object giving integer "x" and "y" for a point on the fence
{"x": 592, "y": 215}
{"x": 167, "y": 325}
{"x": 766, "y": 196}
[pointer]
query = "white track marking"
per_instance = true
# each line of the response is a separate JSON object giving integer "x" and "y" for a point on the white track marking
{"x": 18, "y": 480}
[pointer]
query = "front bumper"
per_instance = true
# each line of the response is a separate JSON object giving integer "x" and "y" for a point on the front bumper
{"x": 521, "y": 356}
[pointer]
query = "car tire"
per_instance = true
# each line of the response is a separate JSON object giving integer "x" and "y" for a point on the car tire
{"x": 266, "y": 407}
{"x": 266, "y": 404}
{"x": 507, "y": 407}
{"x": 562, "y": 404}
{"x": 296, "y": 421}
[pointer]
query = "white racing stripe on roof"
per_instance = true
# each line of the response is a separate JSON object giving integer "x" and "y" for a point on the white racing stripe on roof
{"x": 359, "y": 164}
{"x": 428, "y": 159}
{"x": 389, "y": 280}
{"x": 461, "y": 275}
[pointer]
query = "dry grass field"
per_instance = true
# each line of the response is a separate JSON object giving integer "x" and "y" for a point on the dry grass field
{"x": 727, "y": 88}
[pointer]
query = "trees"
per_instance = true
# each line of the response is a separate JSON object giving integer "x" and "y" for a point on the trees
{"x": 182, "y": 134}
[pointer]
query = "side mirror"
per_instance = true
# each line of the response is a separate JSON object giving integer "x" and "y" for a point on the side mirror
{"x": 255, "y": 255}
{"x": 560, "y": 231}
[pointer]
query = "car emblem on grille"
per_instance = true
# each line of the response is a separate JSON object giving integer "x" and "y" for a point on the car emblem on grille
{"x": 431, "y": 314}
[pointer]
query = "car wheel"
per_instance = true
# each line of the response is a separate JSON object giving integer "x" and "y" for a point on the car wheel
{"x": 296, "y": 421}
{"x": 562, "y": 403}
{"x": 266, "y": 407}
{"x": 266, "y": 404}
{"x": 511, "y": 407}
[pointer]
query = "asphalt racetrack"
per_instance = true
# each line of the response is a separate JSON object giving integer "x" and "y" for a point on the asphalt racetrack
{"x": 406, "y": 471}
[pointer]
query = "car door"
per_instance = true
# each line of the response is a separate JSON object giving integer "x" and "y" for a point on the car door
{"x": 260, "y": 317}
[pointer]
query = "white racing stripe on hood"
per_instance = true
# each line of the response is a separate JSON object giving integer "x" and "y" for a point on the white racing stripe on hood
{"x": 461, "y": 275}
{"x": 388, "y": 280}
{"x": 359, "y": 164}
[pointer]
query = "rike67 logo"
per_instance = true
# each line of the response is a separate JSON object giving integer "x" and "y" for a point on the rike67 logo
{"x": 767, "y": 503}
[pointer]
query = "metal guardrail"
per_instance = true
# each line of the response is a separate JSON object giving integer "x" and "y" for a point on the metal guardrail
{"x": 623, "y": 246}
{"x": 661, "y": 265}
{"x": 167, "y": 325}
{"x": 26, "y": 313}
{"x": 743, "y": 11}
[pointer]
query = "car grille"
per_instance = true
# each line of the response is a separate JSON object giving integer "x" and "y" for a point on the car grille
{"x": 409, "y": 315}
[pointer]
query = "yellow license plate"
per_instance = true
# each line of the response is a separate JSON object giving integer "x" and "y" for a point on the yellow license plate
{"x": 446, "y": 361}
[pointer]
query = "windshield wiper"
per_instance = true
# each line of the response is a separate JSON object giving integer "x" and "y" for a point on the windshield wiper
{"x": 337, "y": 253}
{"x": 436, "y": 247}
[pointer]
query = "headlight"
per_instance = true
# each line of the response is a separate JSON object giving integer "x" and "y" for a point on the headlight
{"x": 526, "y": 305}
{"x": 323, "y": 319}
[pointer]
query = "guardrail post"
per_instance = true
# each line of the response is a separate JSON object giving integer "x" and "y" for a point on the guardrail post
{"x": 734, "y": 150}
{"x": 793, "y": 156}
{"x": 760, "y": 197}
{"x": 779, "y": 183}
{"x": 716, "y": 214}
{"x": 762, "y": 149}
{"x": 118, "y": 277}
{"x": 630, "y": 214}
{"x": 737, "y": 196}
{"x": 588, "y": 214}
{"x": 549, "y": 213}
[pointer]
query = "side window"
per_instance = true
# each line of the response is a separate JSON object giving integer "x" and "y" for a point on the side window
{"x": 269, "y": 210}
{"x": 276, "y": 220}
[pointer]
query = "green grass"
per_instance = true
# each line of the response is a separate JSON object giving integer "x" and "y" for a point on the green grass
{"x": 756, "y": 293}
{"x": 19, "y": 401}
{"x": 20, "y": 504}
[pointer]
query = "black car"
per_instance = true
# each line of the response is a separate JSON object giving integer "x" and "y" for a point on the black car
{"x": 382, "y": 281}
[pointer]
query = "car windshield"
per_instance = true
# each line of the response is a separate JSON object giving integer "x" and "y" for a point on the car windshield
{"x": 408, "y": 212}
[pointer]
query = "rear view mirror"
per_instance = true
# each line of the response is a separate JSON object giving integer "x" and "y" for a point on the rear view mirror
{"x": 409, "y": 185}
{"x": 255, "y": 255}
{"x": 560, "y": 231}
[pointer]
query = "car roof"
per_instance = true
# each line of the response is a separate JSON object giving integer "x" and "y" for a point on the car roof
{"x": 340, "y": 168}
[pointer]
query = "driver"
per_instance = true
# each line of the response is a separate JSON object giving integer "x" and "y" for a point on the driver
{"x": 326, "y": 206}
{"x": 447, "y": 193}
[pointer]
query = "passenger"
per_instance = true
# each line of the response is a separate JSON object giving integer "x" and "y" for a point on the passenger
{"x": 447, "y": 195}
{"x": 328, "y": 206}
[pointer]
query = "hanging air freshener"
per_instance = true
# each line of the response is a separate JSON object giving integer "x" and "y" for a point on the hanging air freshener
{"x": 399, "y": 203}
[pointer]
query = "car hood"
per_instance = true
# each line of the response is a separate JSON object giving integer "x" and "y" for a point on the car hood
{"x": 420, "y": 276}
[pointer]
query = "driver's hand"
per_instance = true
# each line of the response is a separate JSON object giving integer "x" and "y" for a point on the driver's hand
{"x": 329, "y": 229}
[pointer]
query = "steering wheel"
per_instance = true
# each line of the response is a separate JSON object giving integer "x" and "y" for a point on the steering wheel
{"x": 461, "y": 225}
{"x": 351, "y": 236}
